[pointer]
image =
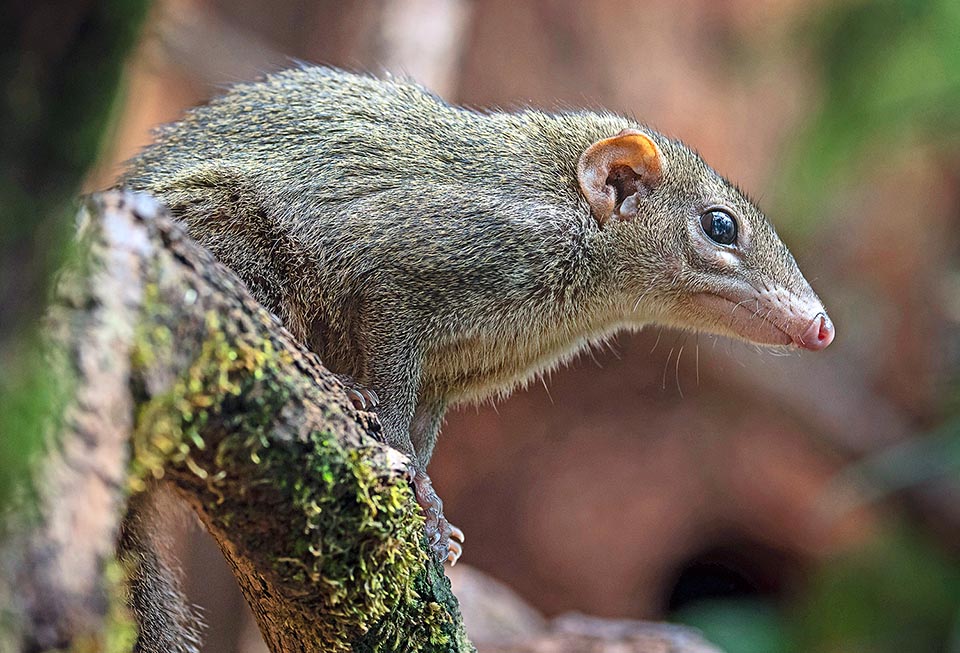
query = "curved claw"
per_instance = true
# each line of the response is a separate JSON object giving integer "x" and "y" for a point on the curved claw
{"x": 454, "y": 553}
{"x": 410, "y": 474}
{"x": 356, "y": 398}
{"x": 362, "y": 398}
{"x": 456, "y": 534}
{"x": 373, "y": 400}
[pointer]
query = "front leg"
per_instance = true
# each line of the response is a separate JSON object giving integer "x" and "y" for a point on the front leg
{"x": 412, "y": 428}
{"x": 445, "y": 539}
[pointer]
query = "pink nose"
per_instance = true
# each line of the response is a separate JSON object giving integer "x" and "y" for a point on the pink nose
{"x": 818, "y": 335}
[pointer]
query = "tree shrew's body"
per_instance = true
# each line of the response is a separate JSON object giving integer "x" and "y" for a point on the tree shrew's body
{"x": 437, "y": 255}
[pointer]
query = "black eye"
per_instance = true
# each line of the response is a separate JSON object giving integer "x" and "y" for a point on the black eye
{"x": 720, "y": 226}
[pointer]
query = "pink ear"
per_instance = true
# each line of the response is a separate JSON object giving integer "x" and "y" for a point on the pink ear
{"x": 615, "y": 168}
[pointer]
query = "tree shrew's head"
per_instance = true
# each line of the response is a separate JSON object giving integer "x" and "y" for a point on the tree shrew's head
{"x": 690, "y": 250}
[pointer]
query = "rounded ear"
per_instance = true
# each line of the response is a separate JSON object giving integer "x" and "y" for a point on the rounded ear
{"x": 616, "y": 168}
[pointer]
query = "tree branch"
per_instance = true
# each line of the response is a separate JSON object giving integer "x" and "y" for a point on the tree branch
{"x": 175, "y": 363}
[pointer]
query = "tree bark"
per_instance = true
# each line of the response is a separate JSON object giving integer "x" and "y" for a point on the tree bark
{"x": 176, "y": 375}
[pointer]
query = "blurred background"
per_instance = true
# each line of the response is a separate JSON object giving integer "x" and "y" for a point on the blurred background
{"x": 779, "y": 503}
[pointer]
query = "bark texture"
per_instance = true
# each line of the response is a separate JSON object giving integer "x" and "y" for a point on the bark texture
{"x": 178, "y": 376}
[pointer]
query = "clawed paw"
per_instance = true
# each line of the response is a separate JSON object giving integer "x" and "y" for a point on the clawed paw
{"x": 361, "y": 397}
{"x": 444, "y": 540}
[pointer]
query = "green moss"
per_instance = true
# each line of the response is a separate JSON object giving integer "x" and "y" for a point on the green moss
{"x": 351, "y": 537}
{"x": 355, "y": 542}
{"x": 420, "y": 626}
{"x": 169, "y": 426}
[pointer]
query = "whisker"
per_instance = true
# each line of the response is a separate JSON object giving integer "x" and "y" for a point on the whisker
{"x": 663, "y": 381}
{"x": 543, "y": 382}
{"x": 611, "y": 346}
{"x": 677, "y": 372}
{"x": 697, "y": 359}
{"x": 736, "y": 358}
{"x": 637, "y": 303}
{"x": 593, "y": 356}
{"x": 659, "y": 333}
{"x": 640, "y": 299}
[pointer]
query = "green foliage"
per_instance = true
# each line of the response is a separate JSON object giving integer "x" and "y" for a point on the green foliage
{"x": 739, "y": 626}
{"x": 30, "y": 400}
{"x": 930, "y": 457}
{"x": 120, "y": 629}
{"x": 896, "y": 593}
{"x": 890, "y": 72}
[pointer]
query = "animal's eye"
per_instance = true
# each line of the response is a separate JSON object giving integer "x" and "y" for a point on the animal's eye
{"x": 720, "y": 226}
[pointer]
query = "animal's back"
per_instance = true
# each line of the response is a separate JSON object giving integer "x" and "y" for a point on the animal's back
{"x": 330, "y": 193}
{"x": 332, "y": 139}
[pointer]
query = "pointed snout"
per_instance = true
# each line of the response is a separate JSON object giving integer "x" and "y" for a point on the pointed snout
{"x": 818, "y": 334}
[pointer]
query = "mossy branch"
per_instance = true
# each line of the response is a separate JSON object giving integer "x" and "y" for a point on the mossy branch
{"x": 182, "y": 378}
